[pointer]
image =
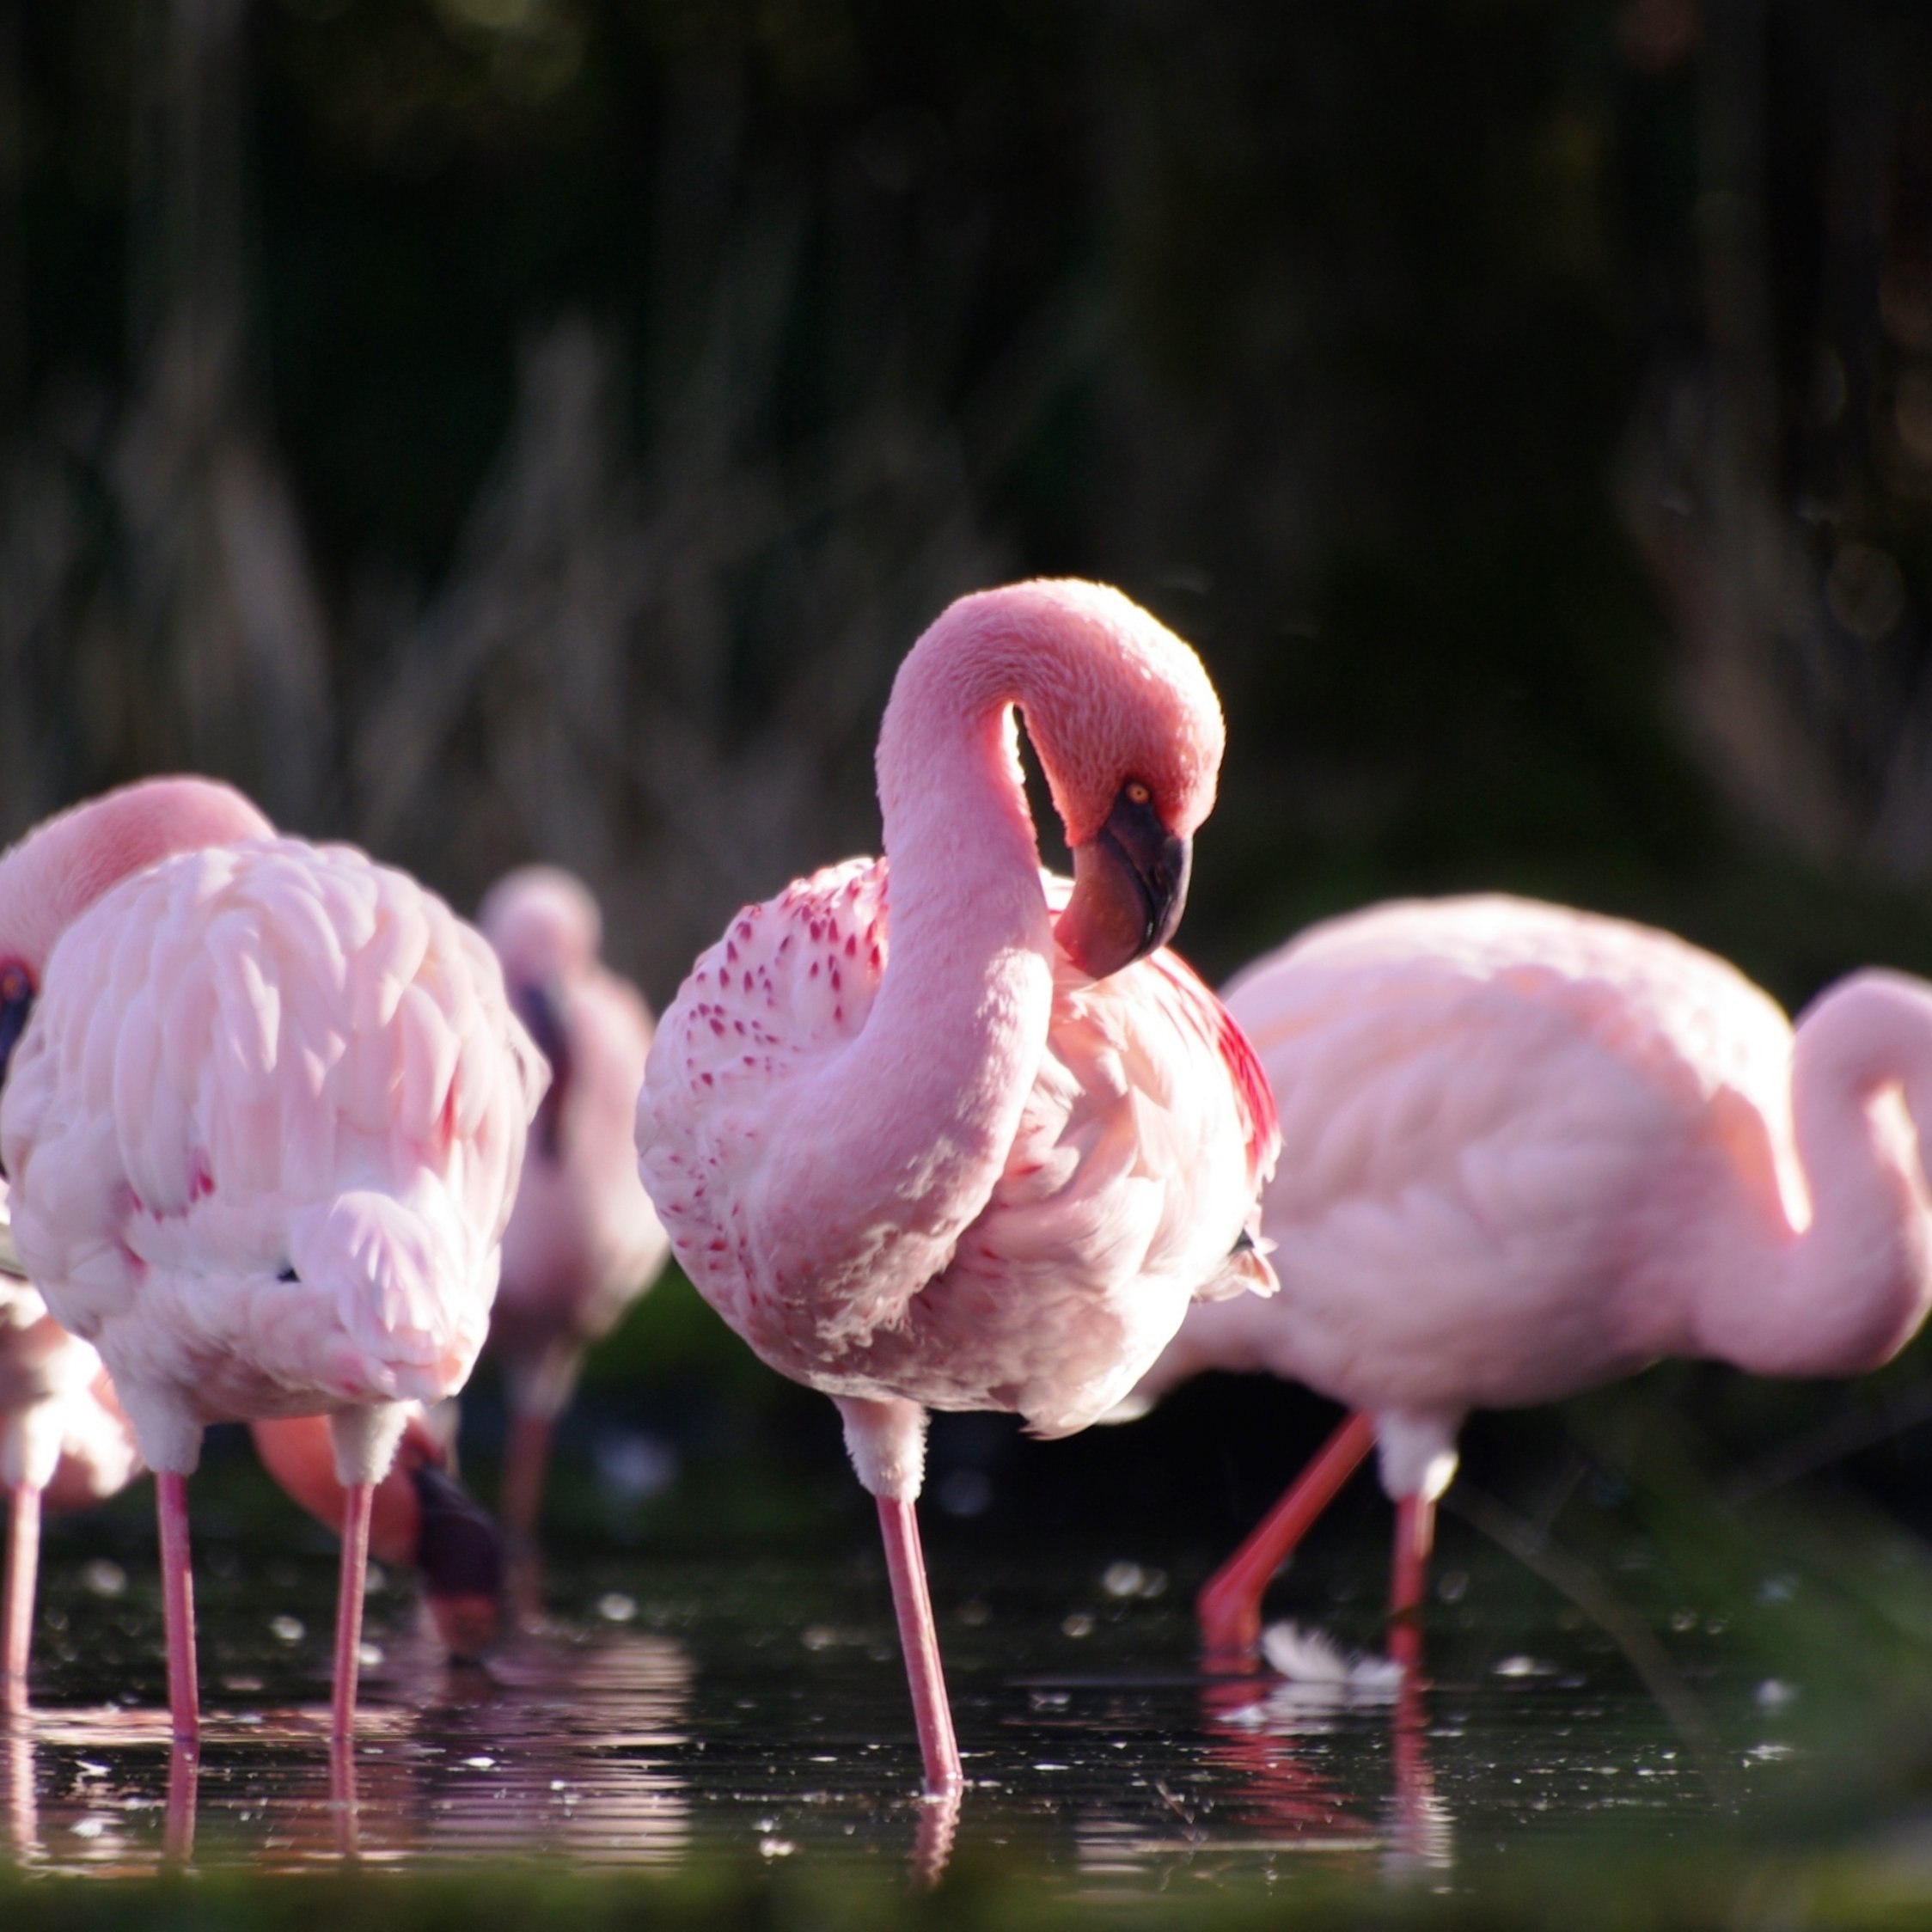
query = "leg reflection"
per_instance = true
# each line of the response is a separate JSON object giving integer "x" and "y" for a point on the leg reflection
{"x": 183, "y": 1773}
{"x": 1421, "y": 1838}
{"x": 938, "y": 1822}
{"x": 343, "y": 1796}
{"x": 16, "y": 1787}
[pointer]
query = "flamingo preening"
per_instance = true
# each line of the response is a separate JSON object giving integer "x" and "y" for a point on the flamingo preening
{"x": 931, "y": 1131}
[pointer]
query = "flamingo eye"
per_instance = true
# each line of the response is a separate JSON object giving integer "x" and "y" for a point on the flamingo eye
{"x": 17, "y": 1006}
{"x": 1138, "y": 793}
{"x": 287, "y": 1272}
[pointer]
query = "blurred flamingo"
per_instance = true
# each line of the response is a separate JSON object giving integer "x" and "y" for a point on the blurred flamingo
{"x": 63, "y": 1442}
{"x": 263, "y": 1119}
{"x": 583, "y": 1242}
{"x": 991, "y": 1169}
{"x": 1529, "y": 1150}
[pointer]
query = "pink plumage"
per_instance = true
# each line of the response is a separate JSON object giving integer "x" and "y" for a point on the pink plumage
{"x": 263, "y": 1130}
{"x": 1528, "y": 1150}
{"x": 974, "y": 1149}
{"x": 583, "y": 1242}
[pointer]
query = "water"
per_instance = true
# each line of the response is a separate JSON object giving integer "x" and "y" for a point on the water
{"x": 671, "y": 1711}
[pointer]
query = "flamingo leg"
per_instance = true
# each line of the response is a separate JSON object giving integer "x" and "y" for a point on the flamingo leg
{"x": 177, "y": 1610}
{"x": 16, "y": 1605}
{"x": 358, "y": 1503}
{"x": 1229, "y": 1605}
{"x": 526, "y": 1458}
{"x": 931, "y": 1713}
{"x": 1415, "y": 1538}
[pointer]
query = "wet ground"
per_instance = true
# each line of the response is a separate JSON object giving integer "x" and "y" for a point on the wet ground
{"x": 672, "y": 1711}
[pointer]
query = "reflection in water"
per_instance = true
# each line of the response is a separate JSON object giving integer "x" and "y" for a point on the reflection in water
{"x": 560, "y": 1749}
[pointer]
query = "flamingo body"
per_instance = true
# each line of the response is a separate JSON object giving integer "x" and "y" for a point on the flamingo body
{"x": 1134, "y": 1163}
{"x": 1529, "y": 1150}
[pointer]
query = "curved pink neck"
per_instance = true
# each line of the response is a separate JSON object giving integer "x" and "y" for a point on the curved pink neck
{"x": 1847, "y": 1292}
{"x": 896, "y": 1147}
{"x": 61, "y": 867}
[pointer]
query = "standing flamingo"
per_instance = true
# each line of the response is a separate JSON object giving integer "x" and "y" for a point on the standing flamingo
{"x": 63, "y": 1440}
{"x": 583, "y": 1242}
{"x": 990, "y": 1170}
{"x": 263, "y": 1118}
{"x": 1527, "y": 1151}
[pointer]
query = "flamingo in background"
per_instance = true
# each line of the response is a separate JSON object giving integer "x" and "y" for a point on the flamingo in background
{"x": 1527, "y": 1151}
{"x": 965, "y": 1154}
{"x": 583, "y": 1242}
{"x": 63, "y": 1440}
{"x": 264, "y": 1111}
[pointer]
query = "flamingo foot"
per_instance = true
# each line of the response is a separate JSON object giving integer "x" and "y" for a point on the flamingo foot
{"x": 16, "y": 1602}
{"x": 1228, "y": 1608}
{"x": 177, "y": 1610}
{"x": 1415, "y": 1538}
{"x": 357, "y": 1502}
{"x": 931, "y": 1713}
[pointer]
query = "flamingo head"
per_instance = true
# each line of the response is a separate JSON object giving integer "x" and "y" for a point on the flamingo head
{"x": 459, "y": 1553}
{"x": 1130, "y": 734}
{"x": 543, "y": 923}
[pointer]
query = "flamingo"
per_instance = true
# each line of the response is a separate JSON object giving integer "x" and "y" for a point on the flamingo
{"x": 1529, "y": 1150}
{"x": 64, "y": 1441}
{"x": 990, "y": 1170}
{"x": 583, "y": 1242}
{"x": 264, "y": 1110}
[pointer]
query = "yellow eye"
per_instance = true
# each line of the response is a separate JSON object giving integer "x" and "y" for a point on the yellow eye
{"x": 1137, "y": 793}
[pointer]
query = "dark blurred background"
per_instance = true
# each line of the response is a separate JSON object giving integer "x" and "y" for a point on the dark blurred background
{"x": 491, "y": 429}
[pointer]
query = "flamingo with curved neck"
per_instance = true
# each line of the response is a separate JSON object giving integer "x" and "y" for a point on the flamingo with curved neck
{"x": 264, "y": 1108}
{"x": 934, "y": 1131}
{"x": 1530, "y": 1150}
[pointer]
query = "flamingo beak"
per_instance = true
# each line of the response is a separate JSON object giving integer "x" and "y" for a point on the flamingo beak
{"x": 1130, "y": 884}
{"x": 460, "y": 1553}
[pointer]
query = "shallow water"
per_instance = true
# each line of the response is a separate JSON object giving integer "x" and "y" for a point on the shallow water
{"x": 672, "y": 1710}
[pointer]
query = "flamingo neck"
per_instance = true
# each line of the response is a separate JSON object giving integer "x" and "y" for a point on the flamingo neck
{"x": 1846, "y": 1292}
{"x": 61, "y": 867}
{"x": 897, "y": 1145}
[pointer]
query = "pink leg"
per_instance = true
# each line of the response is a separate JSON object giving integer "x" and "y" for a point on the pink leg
{"x": 526, "y": 1457}
{"x": 343, "y": 1796}
{"x": 177, "y": 1610}
{"x": 1414, "y": 1537}
{"x": 358, "y": 1502}
{"x": 931, "y": 1715}
{"x": 16, "y": 1607}
{"x": 1229, "y": 1605}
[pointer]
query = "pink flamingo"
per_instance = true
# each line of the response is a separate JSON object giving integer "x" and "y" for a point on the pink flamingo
{"x": 64, "y": 1441}
{"x": 583, "y": 1242}
{"x": 990, "y": 1170}
{"x": 263, "y": 1118}
{"x": 1527, "y": 1151}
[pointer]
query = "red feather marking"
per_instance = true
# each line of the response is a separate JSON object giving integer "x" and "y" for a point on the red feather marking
{"x": 1222, "y": 1032}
